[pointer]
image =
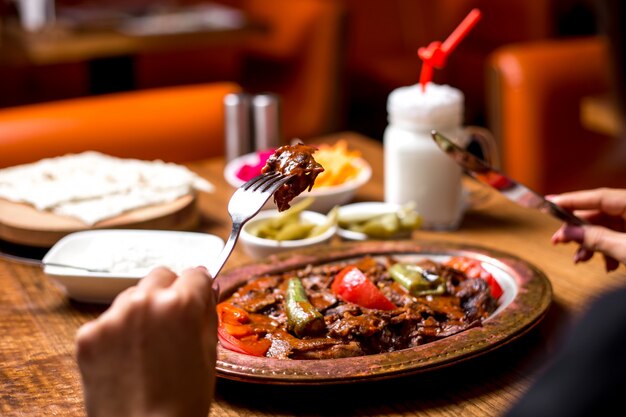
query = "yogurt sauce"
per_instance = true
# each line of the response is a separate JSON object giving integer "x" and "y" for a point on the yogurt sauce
{"x": 136, "y": 258}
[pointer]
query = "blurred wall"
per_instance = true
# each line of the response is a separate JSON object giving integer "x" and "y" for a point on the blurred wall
{"x": 384, "y": 37}
{"x": 380, "y": 53}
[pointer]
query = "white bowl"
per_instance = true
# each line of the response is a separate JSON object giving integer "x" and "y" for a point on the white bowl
{"x": 102, "y": 263}
{"x": 325, "y": 197}
{"x": 364, "y": 210}
{"x": 258, "y": 248}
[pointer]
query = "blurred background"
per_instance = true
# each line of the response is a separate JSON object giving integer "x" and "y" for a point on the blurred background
{"x": 531, "y": 71}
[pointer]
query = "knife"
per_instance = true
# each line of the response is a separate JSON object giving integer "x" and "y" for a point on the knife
{"x": 513, "y": 190}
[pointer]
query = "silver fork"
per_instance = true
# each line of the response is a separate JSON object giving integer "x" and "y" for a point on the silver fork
{"x": 243, "y": 205}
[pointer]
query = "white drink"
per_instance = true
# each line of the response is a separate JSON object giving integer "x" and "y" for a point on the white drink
{"x": 415, "y": 168}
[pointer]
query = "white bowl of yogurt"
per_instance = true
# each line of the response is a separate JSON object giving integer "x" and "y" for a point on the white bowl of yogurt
{"x": 95, "y": 265}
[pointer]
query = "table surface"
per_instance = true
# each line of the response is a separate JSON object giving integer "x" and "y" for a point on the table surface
{"x": 39, "y": 323}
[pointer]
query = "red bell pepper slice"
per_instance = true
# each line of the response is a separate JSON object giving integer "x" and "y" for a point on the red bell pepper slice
{"x": 353, "y": 286}
{"x": 235, "y": 333}
{"x": 249, "y": 346}
{"x": 473, "y": 269}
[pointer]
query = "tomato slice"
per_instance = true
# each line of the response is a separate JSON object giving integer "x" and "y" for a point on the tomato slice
{"x": 473, "y": 269}
{"x": 234, "y": 332}
{"x": 353, "y": 286}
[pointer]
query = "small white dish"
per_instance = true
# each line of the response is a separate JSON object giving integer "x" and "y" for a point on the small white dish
{"x": 99, "y": 264}
{"x": 258, "y": 248}
{"x": 364, "y": 211}
{"x": 325, "y": 197}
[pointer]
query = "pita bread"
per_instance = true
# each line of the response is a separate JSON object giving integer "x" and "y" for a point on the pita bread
{"x": 92, "y": 186}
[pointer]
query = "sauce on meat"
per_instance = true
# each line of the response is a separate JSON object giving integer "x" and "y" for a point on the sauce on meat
{"x": 352, "y": 330}
{"x": 297, "y": 161}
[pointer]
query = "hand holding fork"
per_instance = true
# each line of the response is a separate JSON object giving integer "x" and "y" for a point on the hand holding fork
{"x": 245, "y": 204}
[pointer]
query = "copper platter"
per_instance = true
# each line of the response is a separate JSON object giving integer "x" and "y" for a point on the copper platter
{"x": 527, "y": 296}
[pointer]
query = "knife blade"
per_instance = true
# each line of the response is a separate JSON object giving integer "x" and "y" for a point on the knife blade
{"x": 511, "y": 189}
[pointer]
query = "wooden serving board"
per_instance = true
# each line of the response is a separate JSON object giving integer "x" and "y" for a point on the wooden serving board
{"x": 23, "y": 224}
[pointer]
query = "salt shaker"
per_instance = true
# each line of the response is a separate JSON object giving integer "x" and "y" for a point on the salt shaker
{"x": 237, "y": 132}
{"x": 266, "y": 121}
{"x": 415, "y": 169}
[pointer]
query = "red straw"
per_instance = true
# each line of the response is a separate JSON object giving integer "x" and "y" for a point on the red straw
{"x": 436, "y": 53}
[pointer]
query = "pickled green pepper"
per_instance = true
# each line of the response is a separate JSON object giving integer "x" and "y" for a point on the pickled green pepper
{"x": 416, "y": 279}
{"x": 303, "y": 319}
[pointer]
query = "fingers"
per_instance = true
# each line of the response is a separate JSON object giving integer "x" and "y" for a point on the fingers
{"x": 159, "y": 286}
{"x": 160, "y": 277}
{"x": 121, "y": 299}
{"x": 582, "y": 255}
{"x": 157, "y": 278}
{"x": 608, "y": 200}
{"x": 157, "y": 297}
{"x": 569, "y": 233}
{"x": 610, "y": 264}
{"x": 86, "y": 336}
{"x": 196, "y": 282}
{"x": 192, "y": 282}
{"x": 610, "y": 243}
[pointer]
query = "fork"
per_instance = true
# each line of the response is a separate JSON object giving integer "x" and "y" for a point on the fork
{"x": 243, "y": 205}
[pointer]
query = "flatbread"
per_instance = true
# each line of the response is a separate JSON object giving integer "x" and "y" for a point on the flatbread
{"x": 92, "y": 186}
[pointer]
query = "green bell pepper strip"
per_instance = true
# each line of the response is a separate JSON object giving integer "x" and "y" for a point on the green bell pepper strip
{"x": 303, "y": 319}
{"x": 416, "y": 279}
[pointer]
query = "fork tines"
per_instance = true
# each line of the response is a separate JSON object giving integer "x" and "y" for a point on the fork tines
{"x": 263, "y": 181}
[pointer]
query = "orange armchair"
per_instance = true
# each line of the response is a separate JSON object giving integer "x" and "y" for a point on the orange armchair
{"x": 534, "y": 95}
{"x": 175, "y": 124}
{"x": 299, "y": 58}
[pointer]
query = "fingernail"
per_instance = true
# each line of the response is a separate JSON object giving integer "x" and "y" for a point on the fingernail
{"x": 575, "y": 233}
{"x": 578, "y": 256}
{"x": 555, "y": 238}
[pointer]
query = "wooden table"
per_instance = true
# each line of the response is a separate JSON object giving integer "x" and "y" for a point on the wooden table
{"x": 39, "y": 374}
